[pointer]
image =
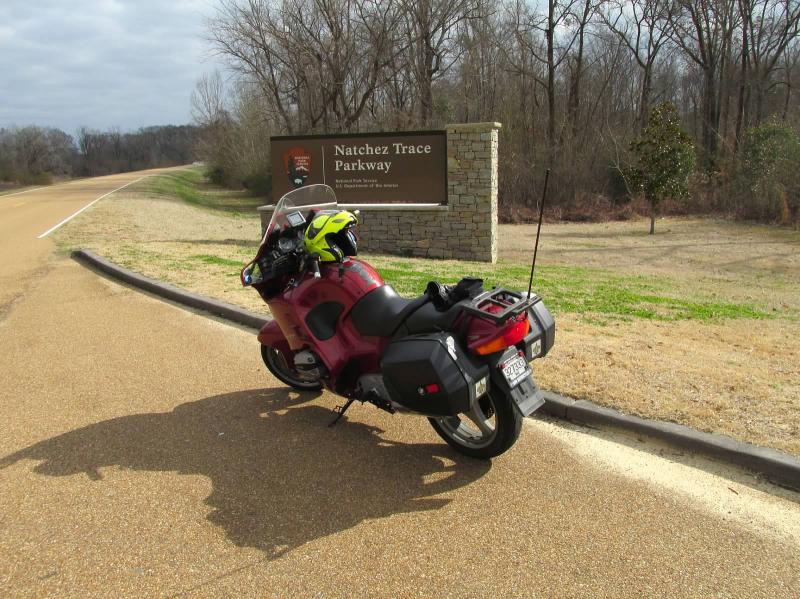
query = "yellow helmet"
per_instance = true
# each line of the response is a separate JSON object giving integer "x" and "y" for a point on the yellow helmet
{"x": 329, "y": 235}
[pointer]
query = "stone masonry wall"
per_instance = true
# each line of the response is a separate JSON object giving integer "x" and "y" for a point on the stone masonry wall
{"x": 465, "y": 229}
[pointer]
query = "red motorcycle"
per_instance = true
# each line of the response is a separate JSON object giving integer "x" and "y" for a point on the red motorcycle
{"x": 456, "y": 354}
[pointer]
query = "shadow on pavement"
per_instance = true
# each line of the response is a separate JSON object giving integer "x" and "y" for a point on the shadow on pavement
{"x": 280, "y": 476}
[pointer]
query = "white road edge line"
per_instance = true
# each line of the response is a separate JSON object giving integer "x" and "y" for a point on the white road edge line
{"x": 70, "y": 217}
{"x": 53, "y": 186}
{"x": 16, "y": 193}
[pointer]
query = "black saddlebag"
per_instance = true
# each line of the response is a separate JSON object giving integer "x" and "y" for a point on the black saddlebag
{"x": 431, "y": 374}
{"x": 542, "y": 335}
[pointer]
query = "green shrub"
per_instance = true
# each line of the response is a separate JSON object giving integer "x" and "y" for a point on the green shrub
{"x": 7, "y": 174}
{"x": 258, "y": 183}
{"x": 35, "y": 179}
{"x": 664, "y": 159}
{"x": 217, "y": 175}
{"x": 767, "y": 181}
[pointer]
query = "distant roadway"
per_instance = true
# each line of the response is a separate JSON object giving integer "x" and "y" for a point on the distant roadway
{"x": 145, "y": 451}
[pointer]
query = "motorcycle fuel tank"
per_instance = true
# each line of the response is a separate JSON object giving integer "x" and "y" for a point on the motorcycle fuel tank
{"x": 312, "y": 312}
{"x": 344, "y": 283}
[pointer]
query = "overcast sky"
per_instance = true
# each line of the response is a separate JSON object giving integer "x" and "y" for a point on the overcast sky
{"x": 101, "y": 63}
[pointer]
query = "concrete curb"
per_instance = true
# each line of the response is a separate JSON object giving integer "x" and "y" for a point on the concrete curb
{"x": 777, "y": 467}
{"x": 217, "y": 308}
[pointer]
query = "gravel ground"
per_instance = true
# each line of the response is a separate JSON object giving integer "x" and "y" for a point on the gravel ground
{"x": 147, "y": 452}
{"x": 739, "y": 377}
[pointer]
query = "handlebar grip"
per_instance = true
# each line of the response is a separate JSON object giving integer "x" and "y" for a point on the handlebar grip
{"x": 315, "y": 268}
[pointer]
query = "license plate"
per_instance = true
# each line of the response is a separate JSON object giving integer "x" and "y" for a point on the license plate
{"x": 515, "y": 370}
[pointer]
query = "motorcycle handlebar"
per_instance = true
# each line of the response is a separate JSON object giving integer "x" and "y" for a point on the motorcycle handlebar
{"x": 314, "y": 266}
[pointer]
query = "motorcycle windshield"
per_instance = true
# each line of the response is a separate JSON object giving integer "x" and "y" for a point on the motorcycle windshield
{"x": 291, "y": 210}
{"x": 303, "y": 200}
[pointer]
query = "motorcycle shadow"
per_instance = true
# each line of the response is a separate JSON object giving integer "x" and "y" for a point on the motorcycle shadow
{"x": 280, "y": 476}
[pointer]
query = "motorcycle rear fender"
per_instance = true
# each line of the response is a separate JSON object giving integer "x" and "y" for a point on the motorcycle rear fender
{"x": 271, "y": 334}
{"x": 526, "y": 396}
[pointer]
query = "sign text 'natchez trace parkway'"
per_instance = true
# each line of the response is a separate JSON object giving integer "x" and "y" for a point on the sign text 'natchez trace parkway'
{"x": 408, "y": 167}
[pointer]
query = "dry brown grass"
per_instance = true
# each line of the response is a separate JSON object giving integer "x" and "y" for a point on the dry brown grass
{"x": 162, "y": 239}
{"x": 720, "y": 258}
{"x": 739, "y": 377}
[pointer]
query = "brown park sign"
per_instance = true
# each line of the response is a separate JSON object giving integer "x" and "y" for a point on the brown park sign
{"x": 364, "y": 168}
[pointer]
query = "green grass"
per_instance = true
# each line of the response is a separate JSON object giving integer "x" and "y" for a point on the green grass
{"x": 208, "y": 259}
{"x": 133, "y": 257}
{"x": 179, "y": 267}
{"x": 599, "y": 295}
{"x": 195, "y": 262}
{"x": 191, "y": 186}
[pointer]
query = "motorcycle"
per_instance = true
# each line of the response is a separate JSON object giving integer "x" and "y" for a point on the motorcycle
{"x": 459, "y": 355}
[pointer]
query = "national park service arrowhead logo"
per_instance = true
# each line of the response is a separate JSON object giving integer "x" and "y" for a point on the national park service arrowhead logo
{"x": 298, "y": 166}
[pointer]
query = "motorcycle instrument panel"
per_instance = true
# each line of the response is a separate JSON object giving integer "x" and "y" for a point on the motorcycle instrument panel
{"x": 295, "y": 219}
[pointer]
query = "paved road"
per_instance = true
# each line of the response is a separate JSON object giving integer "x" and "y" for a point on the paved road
{"x": 145, "y": 451}
{"x": 26, "y": 215}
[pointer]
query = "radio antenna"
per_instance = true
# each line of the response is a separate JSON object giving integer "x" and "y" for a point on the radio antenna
{"x": 538, "y": 229}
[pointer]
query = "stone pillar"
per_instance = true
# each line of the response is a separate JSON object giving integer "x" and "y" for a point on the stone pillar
{"x": 472, "y": 189}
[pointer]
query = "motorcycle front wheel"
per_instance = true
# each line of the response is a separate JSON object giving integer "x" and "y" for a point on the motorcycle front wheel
{"x": 490, "y": 428}
{"x": 277, "y": 362}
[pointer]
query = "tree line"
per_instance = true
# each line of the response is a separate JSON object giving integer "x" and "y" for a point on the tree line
{"x": 573, "y": 82}
{"x": 35, "y": 155}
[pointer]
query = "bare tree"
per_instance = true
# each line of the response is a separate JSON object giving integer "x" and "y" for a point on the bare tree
{"x": 643, "y": 26}
{"x": 431, "y": 34}
{"x": 582, "y": 13}
{"x": 480, "y": 62}
{"x": 571, "y": 80}
{"x": 702, "y": 28}
{"x": 528, "y": 25}
{"x": 769, "y": 25}
{"x": 318, "y": 61}
{"x": 791, "y": 62}
{"x": 208, "y": 100}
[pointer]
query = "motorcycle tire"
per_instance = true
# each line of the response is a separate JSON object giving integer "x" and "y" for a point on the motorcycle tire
{"x": 502, "y": 423}
{"x": 276, "y": 362}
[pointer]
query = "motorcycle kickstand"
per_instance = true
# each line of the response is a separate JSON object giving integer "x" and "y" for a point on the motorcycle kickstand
{"x": 341, "y": 410}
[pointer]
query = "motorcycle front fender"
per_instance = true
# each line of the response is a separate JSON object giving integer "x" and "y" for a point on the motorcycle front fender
{"x": 271, "y": 335}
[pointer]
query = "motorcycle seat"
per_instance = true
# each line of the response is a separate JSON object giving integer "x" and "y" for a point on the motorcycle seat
{"x": 429, "y": 319}
{"x": 381, "y": 311}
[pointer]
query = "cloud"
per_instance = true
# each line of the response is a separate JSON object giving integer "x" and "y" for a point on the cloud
{"x": 101, "y": 63}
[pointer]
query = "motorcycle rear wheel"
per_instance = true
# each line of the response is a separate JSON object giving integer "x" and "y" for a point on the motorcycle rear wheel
{"x": 277, "y": 362}
{"x": 490, "y": 428}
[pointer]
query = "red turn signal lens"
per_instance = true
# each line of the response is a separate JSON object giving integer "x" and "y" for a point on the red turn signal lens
{"x": 432, "y": 388}
{"x": 511, "y": 335}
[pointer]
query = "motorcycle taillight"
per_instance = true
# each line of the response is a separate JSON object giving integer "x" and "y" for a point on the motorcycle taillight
{"x": 507, "y": 335}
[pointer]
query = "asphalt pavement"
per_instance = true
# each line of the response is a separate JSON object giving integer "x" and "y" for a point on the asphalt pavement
{"x": 145, "y": 451}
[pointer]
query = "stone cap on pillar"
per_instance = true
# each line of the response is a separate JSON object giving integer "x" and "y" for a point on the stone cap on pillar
{"x": 473, "y": 127}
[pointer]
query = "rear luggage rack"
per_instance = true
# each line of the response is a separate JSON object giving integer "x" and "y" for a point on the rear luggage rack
{"x": 511, "y": 304}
